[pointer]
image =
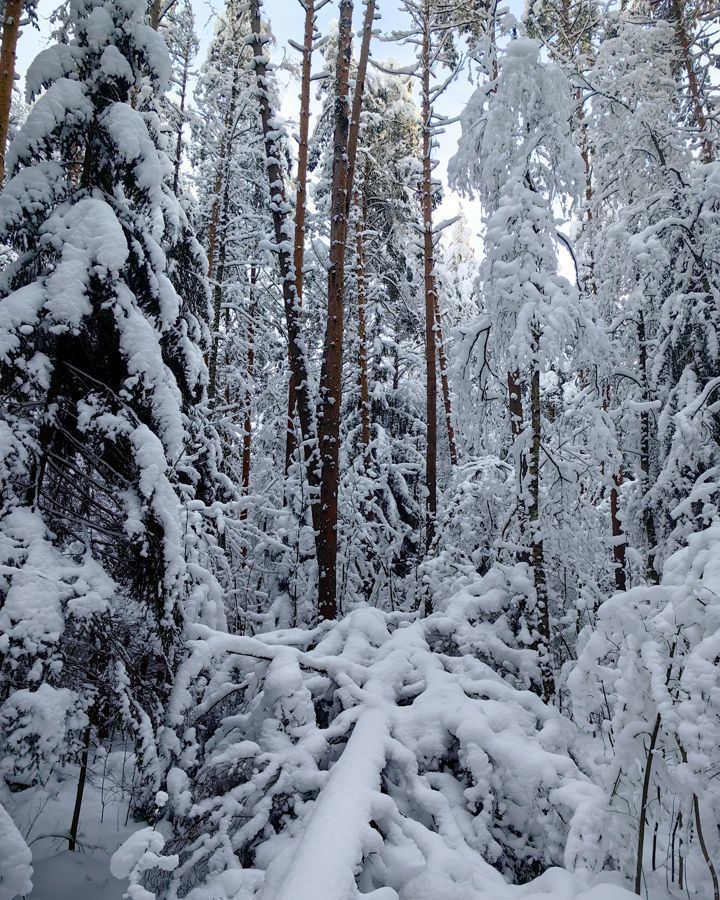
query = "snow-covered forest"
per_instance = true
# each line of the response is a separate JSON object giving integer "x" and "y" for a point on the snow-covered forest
{"x": 360, "y": 450}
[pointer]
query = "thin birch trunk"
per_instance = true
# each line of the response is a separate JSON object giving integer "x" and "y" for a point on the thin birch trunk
{"x": 645, "y": 796}
{"x": 82, "y": 778}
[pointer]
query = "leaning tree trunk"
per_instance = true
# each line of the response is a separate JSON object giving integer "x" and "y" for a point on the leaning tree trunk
{"x": 8, "y": 51}
{"x": 331, "y": 371}
{"x": 430, "y": 291}
{"x": 361, "y": 224}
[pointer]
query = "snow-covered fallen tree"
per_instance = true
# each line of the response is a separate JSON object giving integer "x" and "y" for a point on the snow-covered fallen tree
{"x": 375, "y": 756}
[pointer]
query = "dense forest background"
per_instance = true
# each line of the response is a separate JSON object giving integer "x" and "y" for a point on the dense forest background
{"x": 360, "y": 452}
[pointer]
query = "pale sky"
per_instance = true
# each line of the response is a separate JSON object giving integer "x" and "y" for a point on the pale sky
{"x": 286, "y": 17}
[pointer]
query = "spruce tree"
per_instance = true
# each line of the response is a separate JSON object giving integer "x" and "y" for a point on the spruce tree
{"x": 100, "y": 367}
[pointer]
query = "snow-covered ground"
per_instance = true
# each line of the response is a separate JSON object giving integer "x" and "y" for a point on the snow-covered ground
{"x": 106, "y": 825}
{"x": 44, "y": 822}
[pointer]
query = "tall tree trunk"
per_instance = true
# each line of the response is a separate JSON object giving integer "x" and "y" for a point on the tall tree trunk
{"x": 536, "y": 536}
{"x": 363, "y": 380}
{"x": 618, "y": 533}
{"x": 429, "y": 289}
{"x": 697, "y": 101}
{"x": 447, "y": 400}
{"x": 218, "y": 280}
{"x": 280, "y": 217}
{"x": 517, "y": 427}
{"x": 218, "y": 218}
{"x": 360, "y": 76}
{"x": 247, "y": 425}
{"x": 648, "y": 517}
{"x": 331, "y": 372}
{"x": 181, "y": 109}
{"x": 8, "y": 51}
{"x": 300, "y": 208}
{"x": 158, "y": 12}
{"x": 215, "y": 210}
{"x": 619, "y": 538}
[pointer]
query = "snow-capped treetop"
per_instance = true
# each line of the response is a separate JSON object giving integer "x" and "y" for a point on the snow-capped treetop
{"x": 519, "y": 125}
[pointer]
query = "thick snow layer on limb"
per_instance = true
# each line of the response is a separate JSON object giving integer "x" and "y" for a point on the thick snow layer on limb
{"x": 375, "y": 757}
{"x": 65, "y": 104}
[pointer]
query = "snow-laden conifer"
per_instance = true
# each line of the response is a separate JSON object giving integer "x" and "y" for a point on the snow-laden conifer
{"x": 100, "y": 364}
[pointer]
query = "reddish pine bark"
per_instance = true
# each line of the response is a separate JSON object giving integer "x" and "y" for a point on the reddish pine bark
{"x": 331, "y": 372}
{"x": 300, "y": 208}
{"x": 345, "y": 145}
{"x": 360, "y": 76}
{"x": 8, "y": 53}
{"x": 697, "y": 103}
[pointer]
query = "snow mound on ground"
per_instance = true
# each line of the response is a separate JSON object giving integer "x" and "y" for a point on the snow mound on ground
{"x": 15, "y": 857}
